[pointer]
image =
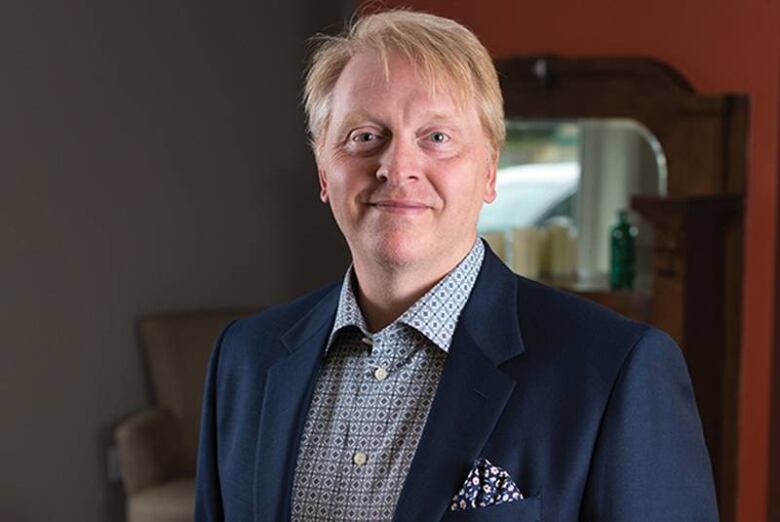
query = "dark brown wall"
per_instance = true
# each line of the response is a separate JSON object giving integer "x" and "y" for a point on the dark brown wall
{"x": 152, "y": 157}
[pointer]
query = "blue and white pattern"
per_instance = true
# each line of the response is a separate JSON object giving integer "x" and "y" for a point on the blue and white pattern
{"x": 371, "y": 401}
{"x": 435, "y": 315}
{"x": 485, "y": 485}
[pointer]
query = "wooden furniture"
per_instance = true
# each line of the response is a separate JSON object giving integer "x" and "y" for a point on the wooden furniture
{"x": 697, "y": 251}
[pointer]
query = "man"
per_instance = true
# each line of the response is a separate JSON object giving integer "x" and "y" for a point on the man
{"x": 432, "y": 383}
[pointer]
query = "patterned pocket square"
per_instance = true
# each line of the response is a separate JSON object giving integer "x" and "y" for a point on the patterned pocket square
{"x": 485, "y": 485}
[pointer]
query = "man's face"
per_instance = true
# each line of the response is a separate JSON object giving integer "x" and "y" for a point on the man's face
{"x": 405, "y": 171}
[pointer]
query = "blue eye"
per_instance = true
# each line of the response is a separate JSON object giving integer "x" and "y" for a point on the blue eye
{"x": 438, "y": 137}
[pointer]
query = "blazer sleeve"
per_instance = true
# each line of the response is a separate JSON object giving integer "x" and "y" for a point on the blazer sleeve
{"x": 650, "y": 462}
{"x": 208, "y": 497}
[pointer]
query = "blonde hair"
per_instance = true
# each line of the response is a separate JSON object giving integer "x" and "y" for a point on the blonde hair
{"x": 444, "y": 52}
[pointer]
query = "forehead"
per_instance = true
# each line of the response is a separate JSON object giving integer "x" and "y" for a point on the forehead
{"x": 373, "y": 85}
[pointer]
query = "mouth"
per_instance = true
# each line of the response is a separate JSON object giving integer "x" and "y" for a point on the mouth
{"x": 399, "y": 206}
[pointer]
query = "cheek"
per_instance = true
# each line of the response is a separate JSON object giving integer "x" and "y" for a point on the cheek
{"x": 346, "y": 191}
{"x": 350, "y": 171}
{"x": 464, "y": 186}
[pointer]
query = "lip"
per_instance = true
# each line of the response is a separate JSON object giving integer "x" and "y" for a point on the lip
{"x": 396, "y": 206}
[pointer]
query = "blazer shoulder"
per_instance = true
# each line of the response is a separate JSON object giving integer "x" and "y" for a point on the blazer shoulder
{"x": 243, "y": 336}
{"x": 569, "y": 322}
{"x": 586, "y": 349}
{"x": 281, "y": 317}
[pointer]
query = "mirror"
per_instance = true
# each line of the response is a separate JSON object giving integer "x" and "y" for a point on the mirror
{"x": 560, "y": 186}
{"x": 697, "y": 215}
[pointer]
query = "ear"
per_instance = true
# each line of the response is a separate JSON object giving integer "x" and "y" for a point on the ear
{"x": 323, "y": 184}
{"x": 490, "y": 181}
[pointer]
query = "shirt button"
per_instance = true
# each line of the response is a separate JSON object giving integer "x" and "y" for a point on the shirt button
{"x": 380, "y": 374}
{"x": 359, "y": 458}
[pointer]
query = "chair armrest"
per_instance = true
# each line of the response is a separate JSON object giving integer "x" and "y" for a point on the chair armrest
{"x": 148, "y": 452}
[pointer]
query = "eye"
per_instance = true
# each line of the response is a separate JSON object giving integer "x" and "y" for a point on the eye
{"x": 364, "y": 141}
{"x": 438, "y": 137}
{"x": 363, "y": 137}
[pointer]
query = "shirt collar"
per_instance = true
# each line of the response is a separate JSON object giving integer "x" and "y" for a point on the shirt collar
{"x": 435, "y": 315}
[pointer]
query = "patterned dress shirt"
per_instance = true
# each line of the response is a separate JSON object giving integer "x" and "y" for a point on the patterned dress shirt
{"x": 371, "y": 401}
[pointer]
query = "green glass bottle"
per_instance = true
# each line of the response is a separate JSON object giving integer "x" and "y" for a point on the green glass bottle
{"x": 623, "y": 250}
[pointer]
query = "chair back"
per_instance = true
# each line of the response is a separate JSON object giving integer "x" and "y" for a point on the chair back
{"x": 177, "y": 347}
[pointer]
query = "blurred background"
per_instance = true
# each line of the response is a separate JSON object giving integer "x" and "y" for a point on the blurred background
{"x": 153, "y": 160}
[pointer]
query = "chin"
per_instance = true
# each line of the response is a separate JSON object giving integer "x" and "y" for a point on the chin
{"x": 398, "y": 249}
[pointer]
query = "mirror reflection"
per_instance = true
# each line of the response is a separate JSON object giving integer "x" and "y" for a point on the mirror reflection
{"x": 561, "y": 188}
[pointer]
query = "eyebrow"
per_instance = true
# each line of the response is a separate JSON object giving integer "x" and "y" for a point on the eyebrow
{"x": 353, "y": 118}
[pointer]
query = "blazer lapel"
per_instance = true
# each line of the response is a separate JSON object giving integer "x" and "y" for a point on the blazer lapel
{"x": 288, "y": 389}
{"x": 470, "y": 398}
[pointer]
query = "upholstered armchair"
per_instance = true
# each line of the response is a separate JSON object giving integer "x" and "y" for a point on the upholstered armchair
{"x": 157, "y": 447}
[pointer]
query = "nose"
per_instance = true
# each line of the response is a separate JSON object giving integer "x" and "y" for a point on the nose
{"x": 400, "y": 162}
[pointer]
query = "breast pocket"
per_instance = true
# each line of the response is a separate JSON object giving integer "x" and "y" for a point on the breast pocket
{"x": 526, "y": 510}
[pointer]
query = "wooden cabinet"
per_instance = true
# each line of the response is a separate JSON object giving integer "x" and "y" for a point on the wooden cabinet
{"x": 698, "y": 226}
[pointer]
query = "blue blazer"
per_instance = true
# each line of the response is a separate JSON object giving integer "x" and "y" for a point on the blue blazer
{"x": 592, "y": 415}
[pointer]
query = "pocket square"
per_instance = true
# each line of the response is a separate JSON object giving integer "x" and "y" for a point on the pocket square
{"x": 485, "y": 485}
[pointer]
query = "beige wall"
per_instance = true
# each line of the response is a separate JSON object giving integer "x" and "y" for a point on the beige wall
{"x": 152, "y": 157}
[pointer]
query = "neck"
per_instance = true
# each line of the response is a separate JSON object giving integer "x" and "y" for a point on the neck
{"x": 385, "y": 292}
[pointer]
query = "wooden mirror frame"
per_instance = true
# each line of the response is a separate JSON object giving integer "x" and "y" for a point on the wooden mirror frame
{"x": 704, "y": 139}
